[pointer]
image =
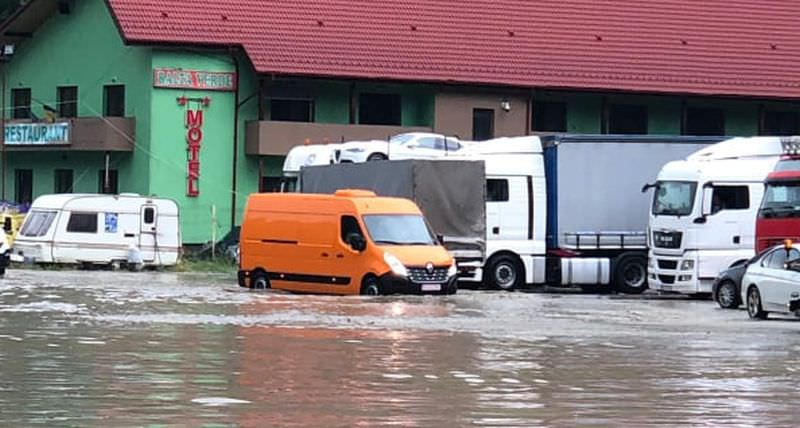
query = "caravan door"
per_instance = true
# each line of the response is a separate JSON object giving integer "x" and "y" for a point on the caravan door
{"x": 148, "y": 232}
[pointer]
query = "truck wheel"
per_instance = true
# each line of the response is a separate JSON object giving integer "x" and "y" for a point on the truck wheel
{"x": 630, "y": 274}
{"x": 376, "y": 157}
{"x": 504, "y": 273}
{"x": 259, "y": 280}
{"x": 371, "y": 287}
{"x": 754, "y": 309}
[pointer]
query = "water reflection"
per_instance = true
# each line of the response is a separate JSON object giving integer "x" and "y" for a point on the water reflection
{"x": 113, "y": 349}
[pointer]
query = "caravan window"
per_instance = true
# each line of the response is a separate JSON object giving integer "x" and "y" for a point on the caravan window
{"x": 37, "y": 223}
{"x": 149, "y": 215}
{"x": 82, "y": 223}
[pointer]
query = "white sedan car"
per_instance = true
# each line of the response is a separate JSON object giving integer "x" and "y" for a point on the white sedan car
{"x": 772, "y": 282}
{"x": 411, "y": 145}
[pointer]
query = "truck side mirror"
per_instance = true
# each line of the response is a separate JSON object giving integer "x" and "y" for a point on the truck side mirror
{"x": 356, "y": 242}
{"x": 440, "y": 238}
{"x": 707, "y": 201}
{"x": 7, "y": 225}
{"x": 648, "y": 186}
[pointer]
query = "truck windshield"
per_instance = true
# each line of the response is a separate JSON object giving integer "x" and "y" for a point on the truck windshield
{"x": 781, "y": 200}
{"x": 674, "y": 198}
{"x": 37, "y": 223}
{"x": 398, "y": 229}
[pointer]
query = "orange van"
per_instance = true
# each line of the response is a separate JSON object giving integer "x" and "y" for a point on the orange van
{"x": 352, "y": 242}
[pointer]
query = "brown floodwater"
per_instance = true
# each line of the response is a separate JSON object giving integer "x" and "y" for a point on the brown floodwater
{"x": 165, "y": 349}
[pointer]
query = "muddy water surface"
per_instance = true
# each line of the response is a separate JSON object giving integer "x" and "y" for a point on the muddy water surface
{"x": 119, "y": 349}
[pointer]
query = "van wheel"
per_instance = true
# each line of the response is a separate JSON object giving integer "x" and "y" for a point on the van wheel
{"x": 259, "y": 280}
{"x": 451, "y": 288}
{"x": 371, "y": 287}
{"x": 630, "y": 274}
{"x": 2, "y": 271}
{"x": 504, "y": 273}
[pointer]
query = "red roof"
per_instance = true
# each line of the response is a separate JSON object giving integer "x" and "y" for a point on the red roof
{"x": 726, "y": 47}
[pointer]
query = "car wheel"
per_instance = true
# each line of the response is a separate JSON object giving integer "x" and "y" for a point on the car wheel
{"x": 259, "y": 280}
{"x": 754, "y": 309}
{"x": 630, "y": 274}
{"x": 376, "y": 157}
{"x": 504, "y": 273}
{"x": 371, "y": 287}
{"x": 727, "y": 295}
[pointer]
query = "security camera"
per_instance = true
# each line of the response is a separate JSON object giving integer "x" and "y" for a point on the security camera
{"x": 505, "y": 105}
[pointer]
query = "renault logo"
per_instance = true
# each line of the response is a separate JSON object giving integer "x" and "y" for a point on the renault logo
{"x": 429, "y": 267}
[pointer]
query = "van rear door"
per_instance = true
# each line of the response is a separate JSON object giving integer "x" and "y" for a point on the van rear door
{"x": 148, "y": 232}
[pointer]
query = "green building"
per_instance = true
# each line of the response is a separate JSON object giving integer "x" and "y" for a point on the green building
{"x": 117, "y": 96}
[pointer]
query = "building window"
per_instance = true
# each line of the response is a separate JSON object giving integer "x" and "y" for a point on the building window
{"x": 627, "y": 119}
{"x": 290, "y": 110}
{"x": 704, "y": 121}
{"x": 482, "y": 124}
{"x": 270, "y": 185}
{"x": 114, "y": 100}
{"x": 21, "y": 103}
{"x": 68, "y": 101}
{"x": 379, "y": 109}
{"x": 780, "y": 123}
{"x": 23, "y": 182}
{"x": 730, "y": 198}
{"x": 63, "y": 181}
{"x": 496, "y": 190}
{"x": 110, "y": 187}
{"x": 549, "y": 116}
{"x": 82, "y": 223}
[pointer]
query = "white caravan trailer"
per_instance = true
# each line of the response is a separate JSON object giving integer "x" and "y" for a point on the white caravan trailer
{"x": 125, "y": 229}
{"x": 702, "y": 219}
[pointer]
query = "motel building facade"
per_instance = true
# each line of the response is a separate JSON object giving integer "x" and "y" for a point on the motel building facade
{"x": 200, "y": 101}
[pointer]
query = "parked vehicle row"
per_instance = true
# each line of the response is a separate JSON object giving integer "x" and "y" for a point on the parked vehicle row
{"x": 562, "y": 209}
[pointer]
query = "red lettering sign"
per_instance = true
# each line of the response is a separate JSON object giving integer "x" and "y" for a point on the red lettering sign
{"x": 194, "y": 136}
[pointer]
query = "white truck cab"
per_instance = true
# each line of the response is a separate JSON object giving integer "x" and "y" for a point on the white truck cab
{"x": 702, "y": 218}
{"x": 306, "y": 155}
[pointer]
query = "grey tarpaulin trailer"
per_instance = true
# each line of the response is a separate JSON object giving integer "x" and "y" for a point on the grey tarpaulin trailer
{"x": 451, "y": 194}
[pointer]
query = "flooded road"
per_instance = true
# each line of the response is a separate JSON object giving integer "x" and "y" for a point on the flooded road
{"x": 124, "y": 349}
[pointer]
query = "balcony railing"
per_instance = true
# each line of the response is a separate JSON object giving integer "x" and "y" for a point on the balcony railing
{"x": 114, "y": 134}
{"x": 277, "y": 138}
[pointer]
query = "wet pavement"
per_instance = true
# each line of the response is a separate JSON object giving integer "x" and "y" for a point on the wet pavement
{"x": 165, "y": 349}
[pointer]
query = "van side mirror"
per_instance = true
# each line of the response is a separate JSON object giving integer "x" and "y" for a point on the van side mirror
{"x": 7, "y": 225}
{"x": 356, "y": 242}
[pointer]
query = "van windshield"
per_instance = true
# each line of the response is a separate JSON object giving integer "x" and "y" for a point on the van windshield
{"x": 37, "y": 223}
{"x": 674, "y": 198}
{"x": 398, "y": 229}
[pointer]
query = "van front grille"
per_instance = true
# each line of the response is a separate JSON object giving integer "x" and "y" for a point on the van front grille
{"x": 420, "y": 275}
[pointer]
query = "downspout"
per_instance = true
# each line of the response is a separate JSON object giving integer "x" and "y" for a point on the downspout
{"x": 235, "y": 138}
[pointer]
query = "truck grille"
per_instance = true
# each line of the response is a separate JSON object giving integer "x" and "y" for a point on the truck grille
{"x": 667, "y": 239}
{"x": 668, "y": 264}
{"x": 667, "y": 279}
{"x": 420, "y": 275}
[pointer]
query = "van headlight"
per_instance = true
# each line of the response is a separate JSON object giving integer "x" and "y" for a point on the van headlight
{"x": 687, "y": 265}
{"x": 452, "y": 270}
{"x": 395, "y": 264}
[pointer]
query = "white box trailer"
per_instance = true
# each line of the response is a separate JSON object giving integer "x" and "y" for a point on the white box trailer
{"x": 126, "y": 229}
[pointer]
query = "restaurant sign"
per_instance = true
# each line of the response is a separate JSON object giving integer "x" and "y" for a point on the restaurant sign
{"x": 36, "y": 134}
{"x": 193, "y": 79}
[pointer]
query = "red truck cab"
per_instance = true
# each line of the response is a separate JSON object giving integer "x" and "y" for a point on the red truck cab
{"x": 779, "y": 215}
